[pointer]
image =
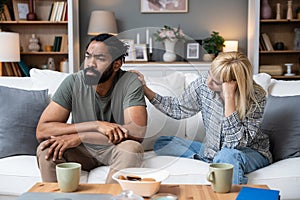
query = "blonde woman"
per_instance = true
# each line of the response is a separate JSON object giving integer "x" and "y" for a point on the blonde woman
{"x": 232, "y": 107}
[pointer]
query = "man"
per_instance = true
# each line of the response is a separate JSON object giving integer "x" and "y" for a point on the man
{"x": 109, "y": 115}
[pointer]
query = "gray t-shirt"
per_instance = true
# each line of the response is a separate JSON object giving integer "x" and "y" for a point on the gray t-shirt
{"x": 86, "y": 105}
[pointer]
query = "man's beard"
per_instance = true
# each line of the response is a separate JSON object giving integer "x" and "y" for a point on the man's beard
{"x": 97, "y": 77}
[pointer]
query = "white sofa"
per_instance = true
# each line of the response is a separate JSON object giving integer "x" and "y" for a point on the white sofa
{"x": 18, "y": 173}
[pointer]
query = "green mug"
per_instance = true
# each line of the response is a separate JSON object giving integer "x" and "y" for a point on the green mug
{"x": 220, "y": 176}
{"x": 68, "y": 176}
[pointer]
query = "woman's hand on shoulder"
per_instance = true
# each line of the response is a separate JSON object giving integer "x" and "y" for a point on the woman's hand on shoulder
{"x": 140, "y": 76}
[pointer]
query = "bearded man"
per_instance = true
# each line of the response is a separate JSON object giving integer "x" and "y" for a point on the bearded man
{"x": 108, "y": 112}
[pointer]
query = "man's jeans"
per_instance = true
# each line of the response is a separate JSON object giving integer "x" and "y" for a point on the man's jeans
{"x": 244, "y": 160}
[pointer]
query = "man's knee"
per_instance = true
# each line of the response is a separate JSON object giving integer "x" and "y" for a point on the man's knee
{"x": 130, "y": 146}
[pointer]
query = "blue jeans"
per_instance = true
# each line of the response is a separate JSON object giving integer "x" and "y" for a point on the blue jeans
{"x": 244, "y": 160}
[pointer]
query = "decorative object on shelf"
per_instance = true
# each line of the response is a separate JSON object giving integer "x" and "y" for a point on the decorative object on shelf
{"x": 21, "y": 8}
{"x": 266, "y": 10}
{"x": 9, "y": 48}
{"x": 51, "y": 64}
{"x": 289, "y": 69}
{"x": 213, "y": 44}
{"x": 33, "y": 43}
{"x": 193, "y": 50}
{"x": 230, "y": 46}
{"x": 170, "y": 55}
{"x": 297, "y": 39}
{"x": 102, "y": 21}
{"x": 31, "y": 14}
{"x": 64, "y": 65}
{"x": 150, "y": 49}
{"x": 48, "y": 48}
{"x": 298, "y": 12}
{"x": 169, "y": 36}
{"x": 279, "y": 46}
{"x": 140, "y": 52}
{"x": 289, "y": 14}
{"x": 278, "y": 11}
{"x": 137, "y": 38}
{"x": 164, "y": 6}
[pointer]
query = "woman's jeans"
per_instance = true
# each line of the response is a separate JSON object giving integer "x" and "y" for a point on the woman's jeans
{"x": 244, "y": 160}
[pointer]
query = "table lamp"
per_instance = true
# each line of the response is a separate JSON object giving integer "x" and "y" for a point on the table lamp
{"x": 230, "y": 46}
{"x": 9, "y": 48}
{"x": 102, "y": 21}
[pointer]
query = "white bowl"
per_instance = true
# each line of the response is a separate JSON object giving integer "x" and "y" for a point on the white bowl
{"x": 143, "y": 188}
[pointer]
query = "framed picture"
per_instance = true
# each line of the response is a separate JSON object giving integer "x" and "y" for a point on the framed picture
{"x": 21, "y": 8}
{"x": 193, "y": 50}
{"x": 131, "y": 50}
{"x": 164, "y": 6}
{"x": 140, "y": 52}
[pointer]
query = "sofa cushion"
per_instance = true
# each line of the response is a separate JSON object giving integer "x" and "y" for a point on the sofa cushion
{"x": 46, "y": 79}
{"x": 264, "y": 80}
{"x": 281, "y": 121}
{"x": 19, "y": 173}
{"x": 159, "y": 123}
{"x": 284, "y": 88}
{"x": 20, "y": 111}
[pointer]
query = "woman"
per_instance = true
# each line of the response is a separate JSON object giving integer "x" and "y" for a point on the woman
{"x": 232, "y": 106}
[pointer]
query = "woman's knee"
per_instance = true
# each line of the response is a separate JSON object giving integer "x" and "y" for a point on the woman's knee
{"x": 229, "y": 155}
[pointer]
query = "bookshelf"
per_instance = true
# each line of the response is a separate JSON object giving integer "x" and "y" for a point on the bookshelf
{"x": 281, "y": 30}
{"x": 46, "y": 30}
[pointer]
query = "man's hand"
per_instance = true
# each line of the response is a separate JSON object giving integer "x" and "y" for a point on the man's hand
{"x": 58, "y": 144}
{"x": 114, "y": 132}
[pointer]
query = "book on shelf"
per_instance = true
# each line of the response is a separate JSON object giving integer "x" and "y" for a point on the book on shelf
{"x": 57, "y": 43}
{"x": 11, "y": 69}
{"x": 58, "y": 11}
{"x": 262, "y": 44}
{"x": 5, "y": 15}
{"x": 267, "y": 42}
{"x": 64, "y": 43}
{"x": 24, "y": 68}
{"x": 248, "y": 193}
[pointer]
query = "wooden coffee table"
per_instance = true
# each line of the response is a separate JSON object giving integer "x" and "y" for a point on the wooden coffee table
{"x": 182, "y": 191}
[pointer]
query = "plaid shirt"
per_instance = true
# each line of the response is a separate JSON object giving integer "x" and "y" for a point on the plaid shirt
{"x": 221, "y": 131}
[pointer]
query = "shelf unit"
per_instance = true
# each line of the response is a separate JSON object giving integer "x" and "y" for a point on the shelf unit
{"x": 161, "y": 69}
{"x": 279, "y": 31}
{"x": 45, "y": 31}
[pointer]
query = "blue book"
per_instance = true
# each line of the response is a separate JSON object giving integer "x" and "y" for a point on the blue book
{"x": 248, "y": 193}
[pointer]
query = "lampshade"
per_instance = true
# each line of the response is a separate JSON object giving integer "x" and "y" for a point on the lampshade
{"x": 230, "y": 46}
{"x": 102, "y": 21}
{"x": 10, "y": 47}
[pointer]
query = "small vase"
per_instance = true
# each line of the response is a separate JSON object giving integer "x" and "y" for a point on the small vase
{"x": 33, "y": 43}
{"x": 289, "y": 14}
{"x": 265, "y": 11}
{"x": 278, "y": 11}
{"x": 169, "y": 55}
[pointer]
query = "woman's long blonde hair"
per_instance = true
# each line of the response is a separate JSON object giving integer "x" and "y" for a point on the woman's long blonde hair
{"x": 235, "y": 66}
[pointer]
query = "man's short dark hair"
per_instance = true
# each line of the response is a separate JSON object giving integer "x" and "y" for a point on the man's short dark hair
{"x": 117, "y": 49}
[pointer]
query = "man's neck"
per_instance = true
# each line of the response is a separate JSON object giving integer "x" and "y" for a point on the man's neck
{"x": 102, "y": 89}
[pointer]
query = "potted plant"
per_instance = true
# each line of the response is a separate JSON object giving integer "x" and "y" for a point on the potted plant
{"x": 213, "y": 44}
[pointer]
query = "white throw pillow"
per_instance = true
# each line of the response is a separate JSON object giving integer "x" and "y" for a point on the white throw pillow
{"x": 158, "y": 123}
{"x": 47, "y": 79}
{"x": 263, "y": 79}
{"x": 284, "y": 88}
